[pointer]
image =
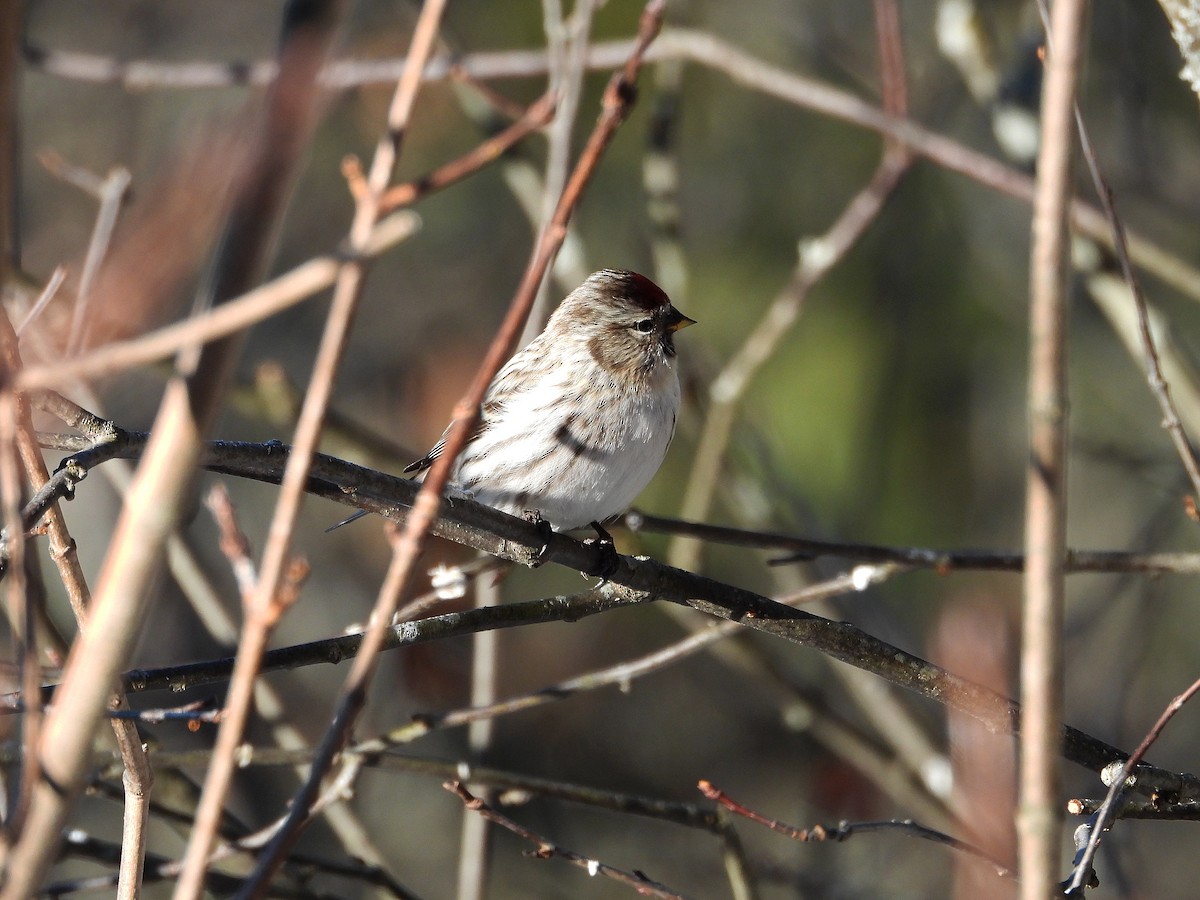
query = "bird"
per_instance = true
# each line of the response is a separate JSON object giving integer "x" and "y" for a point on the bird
{"x": 578, "y": 422}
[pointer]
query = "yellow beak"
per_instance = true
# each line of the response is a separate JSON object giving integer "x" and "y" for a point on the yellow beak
{"x": 679, "y": 320}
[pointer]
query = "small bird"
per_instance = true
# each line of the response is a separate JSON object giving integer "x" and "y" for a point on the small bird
{"x": 575, "y": 425}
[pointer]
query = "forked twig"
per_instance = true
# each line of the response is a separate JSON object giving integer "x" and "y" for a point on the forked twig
{"x": 538, "y": 114}
{"x": 1082, "y": 873}
{"x": 844, "y": 830}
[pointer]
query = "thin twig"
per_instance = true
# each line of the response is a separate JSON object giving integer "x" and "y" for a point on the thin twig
{"x": 57, "y": 277}
{"x": 1139, "y": 808}
{"x": 548, "y": 850}
{"x": 1082, "y": 873}
{"x": 234, "y": 544}
{"x": 566, "y": 48}
{"x": 475, "y": 841}
{"x": 817, "y": 257}
{"x": 844, "y": 830}
{"x": 238, "y": 314}
{"x": 348, "y": 290}
{"x": 1040, "y": 817}
{"x": 616, "y": 103}
{"x": 14, "y": 413}
{"x": 1159, "y": 386}
{"x": 941, "y": 561}
{"x": 697, "y": 47}
{"x": 113, "y": 189}
{"x": 538, "y": 114}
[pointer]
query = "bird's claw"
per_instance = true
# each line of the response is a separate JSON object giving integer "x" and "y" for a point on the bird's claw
{"x": 609, "y": 560}
{"x": 545, "y": 532}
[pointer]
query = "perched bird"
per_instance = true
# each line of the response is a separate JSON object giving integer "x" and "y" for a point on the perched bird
{"x": 577, "y": 423}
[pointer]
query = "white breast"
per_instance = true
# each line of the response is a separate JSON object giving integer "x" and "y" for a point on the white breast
{"x": 574, "y": 458}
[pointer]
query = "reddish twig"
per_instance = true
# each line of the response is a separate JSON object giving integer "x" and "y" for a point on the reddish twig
{"x": 425, "y": 508}
{"x": 233, "y": 541}
{"x": 1153, "y": 363}
{"x": 248, "y": 240}
{"x": 538, "y": 114}
{"x": 844, "y": 830}
{"x": 499, "y": 101}
{"x": 893, "y": 81}
{"x": 1082, "y": 873}
{"x": 548, "y": 850}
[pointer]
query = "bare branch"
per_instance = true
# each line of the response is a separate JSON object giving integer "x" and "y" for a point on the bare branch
{"x": 548, "y": 850}
{"x": 1040, "y": 817}
{"x": 845, "y": 830}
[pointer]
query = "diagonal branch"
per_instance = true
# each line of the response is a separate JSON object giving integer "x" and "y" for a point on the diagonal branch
{"x": 262, "y": 605}
{"x": 159, "y": 496}
{"x": 617, "y": 99}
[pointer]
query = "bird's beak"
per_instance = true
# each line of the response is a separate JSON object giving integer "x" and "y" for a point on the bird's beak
{"x": 678, "y": 320}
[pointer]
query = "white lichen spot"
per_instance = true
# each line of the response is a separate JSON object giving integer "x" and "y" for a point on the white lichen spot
{"x": 953, "y": 28}
{"x": 593, "y": 867}
{"x": 938, "y": 776}
{"x": 797, "y": 717}
{"x": 816, "y": 254}
{"x": 1017, "y": 130}
{"x": 861, "y": 577}
{"x": 448, "y": 582}
{"x": 961, "y": 41}
{"x": 514, "y": 797}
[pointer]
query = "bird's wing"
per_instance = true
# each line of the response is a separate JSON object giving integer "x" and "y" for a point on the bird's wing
{"x": 426, "y": 461}
{"x": 506, "y": 383}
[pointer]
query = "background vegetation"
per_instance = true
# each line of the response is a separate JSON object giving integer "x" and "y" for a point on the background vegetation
{"x": 891, "y": 411}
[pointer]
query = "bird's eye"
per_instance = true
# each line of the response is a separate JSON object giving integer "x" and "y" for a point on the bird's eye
{"x": 645, "y": 326}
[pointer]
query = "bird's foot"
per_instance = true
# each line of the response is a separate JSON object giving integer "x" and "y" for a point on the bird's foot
{"x": 545, "y": 532}
{"x": 609, "y": 560}
{"x": 454, "y": 492}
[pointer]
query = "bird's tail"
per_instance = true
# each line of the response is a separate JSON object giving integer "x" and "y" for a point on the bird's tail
{"x": 346, "y": 521}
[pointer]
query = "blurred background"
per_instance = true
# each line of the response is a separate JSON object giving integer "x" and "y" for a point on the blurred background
{"x": 892, "y": 411}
